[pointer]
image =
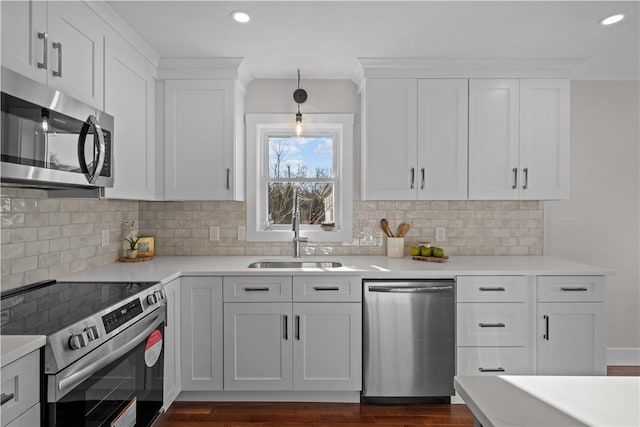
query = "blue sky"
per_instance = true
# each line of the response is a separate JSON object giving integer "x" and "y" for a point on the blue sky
{"x": 315, "y": 152}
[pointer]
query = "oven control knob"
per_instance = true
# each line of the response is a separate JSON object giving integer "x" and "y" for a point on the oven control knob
{"x": 92, "y": 333}
{"x": 78, "y": 341}
{"x": 151, "y": 299}
{"x": 159, "y": 295}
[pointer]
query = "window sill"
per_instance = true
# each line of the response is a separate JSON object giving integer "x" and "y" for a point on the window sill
{"x": 335, "y": 235}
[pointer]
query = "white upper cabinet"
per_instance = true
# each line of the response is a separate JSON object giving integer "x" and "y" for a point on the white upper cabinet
{"x": 518, "y": 139}
{"x": 202, "y": 157}
{"x": 415, "y": 139}
{"x": 24, "y": 25}
{"x": 390, "y": 140}
{"x": 442, "y": 139}
{"x": 130, "y": 97}
{"x": 57, "y": 43}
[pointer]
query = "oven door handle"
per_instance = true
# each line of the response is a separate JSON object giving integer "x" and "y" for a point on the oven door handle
{"x": 84, "y": 373}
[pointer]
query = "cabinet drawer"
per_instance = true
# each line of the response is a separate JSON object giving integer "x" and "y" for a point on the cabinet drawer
{"x": 256, "y": 289}
{"x": 20, "y": 386}
{"x": 491, "y": 324}
{"x": 491, "y": 288}
{"x": 570, "y": 288}
{"x": 31, "y": 418}
{"x": 493, "y": 361}
{"x": 327, "y": 288}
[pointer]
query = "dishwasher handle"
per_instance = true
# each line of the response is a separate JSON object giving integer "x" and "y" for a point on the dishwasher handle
{"x": 411, "y": 289}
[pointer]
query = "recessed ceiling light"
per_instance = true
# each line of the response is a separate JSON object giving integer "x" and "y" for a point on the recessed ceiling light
{"x": 241, "y": 16}
{"x": 613, "y": 19}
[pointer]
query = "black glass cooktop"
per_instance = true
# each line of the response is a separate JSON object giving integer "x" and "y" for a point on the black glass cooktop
{"x": 44, "y": 308}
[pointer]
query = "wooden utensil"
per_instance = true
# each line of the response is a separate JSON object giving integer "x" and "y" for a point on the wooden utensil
{"x": 384, "y": 224}
{"x": 403, "y": 229}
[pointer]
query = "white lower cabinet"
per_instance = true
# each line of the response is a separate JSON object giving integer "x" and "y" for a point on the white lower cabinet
{"x": 327, "y": 349}
{"x": 201, "y": 333}
{"x": 284, "y": 345}
{"x": 172, "y": 380}
{"x": 493, "y": 361}
{"x": 21, "y": 391}
{"x": 257, "y": 346}
{"x": 571, "y": 331}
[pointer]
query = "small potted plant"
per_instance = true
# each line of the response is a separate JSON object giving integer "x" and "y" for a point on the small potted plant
{"x": 131, "y": 237}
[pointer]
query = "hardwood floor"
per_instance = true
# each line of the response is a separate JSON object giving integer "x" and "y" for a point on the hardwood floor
{"x": 260, "y": 414}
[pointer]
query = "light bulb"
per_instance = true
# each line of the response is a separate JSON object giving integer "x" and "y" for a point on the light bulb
{"x": 45, "y": 121}
{"x": 298, "y": 124}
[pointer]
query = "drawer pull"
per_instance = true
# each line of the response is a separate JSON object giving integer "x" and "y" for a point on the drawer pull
{"x": 286, "y": 327}
{"x": 261, "y": 289}
{"x": 496, "y": 289}
{"x": 326, "y": 288}
{"x": 491, "y": 369}
{"x": 6, "y": 397}
{"x": 491, "y": 325}
{"x": 581, "y": 289}
{"x": 297, "y": 327}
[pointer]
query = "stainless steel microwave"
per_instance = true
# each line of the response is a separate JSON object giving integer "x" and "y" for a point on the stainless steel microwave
{"x": 50, "y": 140}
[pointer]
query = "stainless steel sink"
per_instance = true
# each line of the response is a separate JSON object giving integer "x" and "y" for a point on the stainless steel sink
{"x": 295, "y": 264}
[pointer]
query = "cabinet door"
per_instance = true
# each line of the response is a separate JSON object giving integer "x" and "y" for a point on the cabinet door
{"x": 172, "y": 344}
{"x": 198, "y": 139}
{"x": 571, "y": 339}
{"x": 78, "y": 34}
{"x": 22, "y": 50}
{"x": 327, "y": 346}
{"x": 130, "y": 97}
{"x": 390, "y": 147}
{"x": 201, "y": 333}
{"x": 544, "y": 139}
{"x": 442, "y": 139}
{"x": 493, "y": 139}
{"x": 257, "y": 346}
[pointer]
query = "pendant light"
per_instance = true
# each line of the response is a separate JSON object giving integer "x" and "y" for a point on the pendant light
{"x": 300, "y": 96}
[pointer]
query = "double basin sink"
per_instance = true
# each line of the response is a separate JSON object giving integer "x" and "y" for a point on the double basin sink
{"x": 295, "y": 264}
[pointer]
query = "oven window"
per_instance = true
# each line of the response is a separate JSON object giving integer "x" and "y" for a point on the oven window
{"x": 126, "y": 385}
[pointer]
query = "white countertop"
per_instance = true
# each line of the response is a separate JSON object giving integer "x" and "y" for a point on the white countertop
{"x": 166, "y": 269}
{"x": 551, "y": 400}
{"x": 13, "y": 347}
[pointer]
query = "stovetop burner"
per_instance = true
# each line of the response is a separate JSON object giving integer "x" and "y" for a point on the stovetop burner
{"x": 46, "y": 307}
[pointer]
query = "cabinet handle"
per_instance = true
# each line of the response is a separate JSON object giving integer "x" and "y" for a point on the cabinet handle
{"x": 413, "y": 177}
{"x": 491, "y": 369}
{"x": 423, "y": 178}
{"x": 286, "y": 327}
{"x": 228, "y": 178}
{"x": 326, "y": 288}
{"x": 261, "y": 289}
{"x": 491, "y": 325}
{"x": 580, "y": 289}
{"x": 515, "y": 178}
{"x": 45, "y": 50}
{"x": 525, "y": 171}
{"x": 496, "y": 289}
{"x": 297, "y": 327}
{"x": 58, "y": 45}
{"x": 5, "y": 398}
{"x": 546, "y": 327}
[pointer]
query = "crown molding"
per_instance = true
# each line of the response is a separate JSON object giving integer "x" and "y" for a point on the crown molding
{"x": 204, "y": 68}
{"x": 463, "y": 68}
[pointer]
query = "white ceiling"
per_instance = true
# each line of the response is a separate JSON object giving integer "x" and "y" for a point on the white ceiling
{"x": 325, "y": 38}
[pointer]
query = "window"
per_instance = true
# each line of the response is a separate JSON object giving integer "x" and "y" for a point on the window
{"x": 317, "y": 164}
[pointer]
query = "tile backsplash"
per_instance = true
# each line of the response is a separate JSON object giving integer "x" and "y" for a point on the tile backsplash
{"x": 45, "y": 238}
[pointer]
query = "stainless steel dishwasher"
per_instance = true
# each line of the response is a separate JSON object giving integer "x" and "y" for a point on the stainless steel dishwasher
{"x": 409, "y": 340}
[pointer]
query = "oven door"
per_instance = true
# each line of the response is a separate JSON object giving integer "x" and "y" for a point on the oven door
{"x": 117, "y": 384}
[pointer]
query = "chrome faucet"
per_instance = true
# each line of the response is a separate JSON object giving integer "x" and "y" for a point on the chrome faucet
{"x": 295, "y": 219}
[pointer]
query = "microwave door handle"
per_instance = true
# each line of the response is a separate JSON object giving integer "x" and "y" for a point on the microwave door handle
{"x": 92, "y": 177}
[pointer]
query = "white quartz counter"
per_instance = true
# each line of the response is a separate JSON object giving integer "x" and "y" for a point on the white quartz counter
{"x": 499, "y": 401}
{"x": 13, "y": 347}
{"x": 166, "y": 269}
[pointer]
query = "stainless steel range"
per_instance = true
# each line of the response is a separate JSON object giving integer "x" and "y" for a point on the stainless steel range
{"x": 103, "y": 359}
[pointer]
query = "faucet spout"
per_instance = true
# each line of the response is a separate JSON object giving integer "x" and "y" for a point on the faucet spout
{"x": 295, "y": 226}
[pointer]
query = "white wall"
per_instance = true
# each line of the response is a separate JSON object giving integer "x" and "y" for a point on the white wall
{"x": 600, "y": 224}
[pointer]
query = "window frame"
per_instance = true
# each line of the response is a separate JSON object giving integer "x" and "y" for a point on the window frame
{"x": 258, "y": 129}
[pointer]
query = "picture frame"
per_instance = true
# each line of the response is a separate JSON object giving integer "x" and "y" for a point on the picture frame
{"x": 145, "y": 247}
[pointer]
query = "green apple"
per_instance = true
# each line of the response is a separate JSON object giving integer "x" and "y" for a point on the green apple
{"x": 425, "y": 251}
{"x": 438, "y": 252}
{"x": 414, "y": 251}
